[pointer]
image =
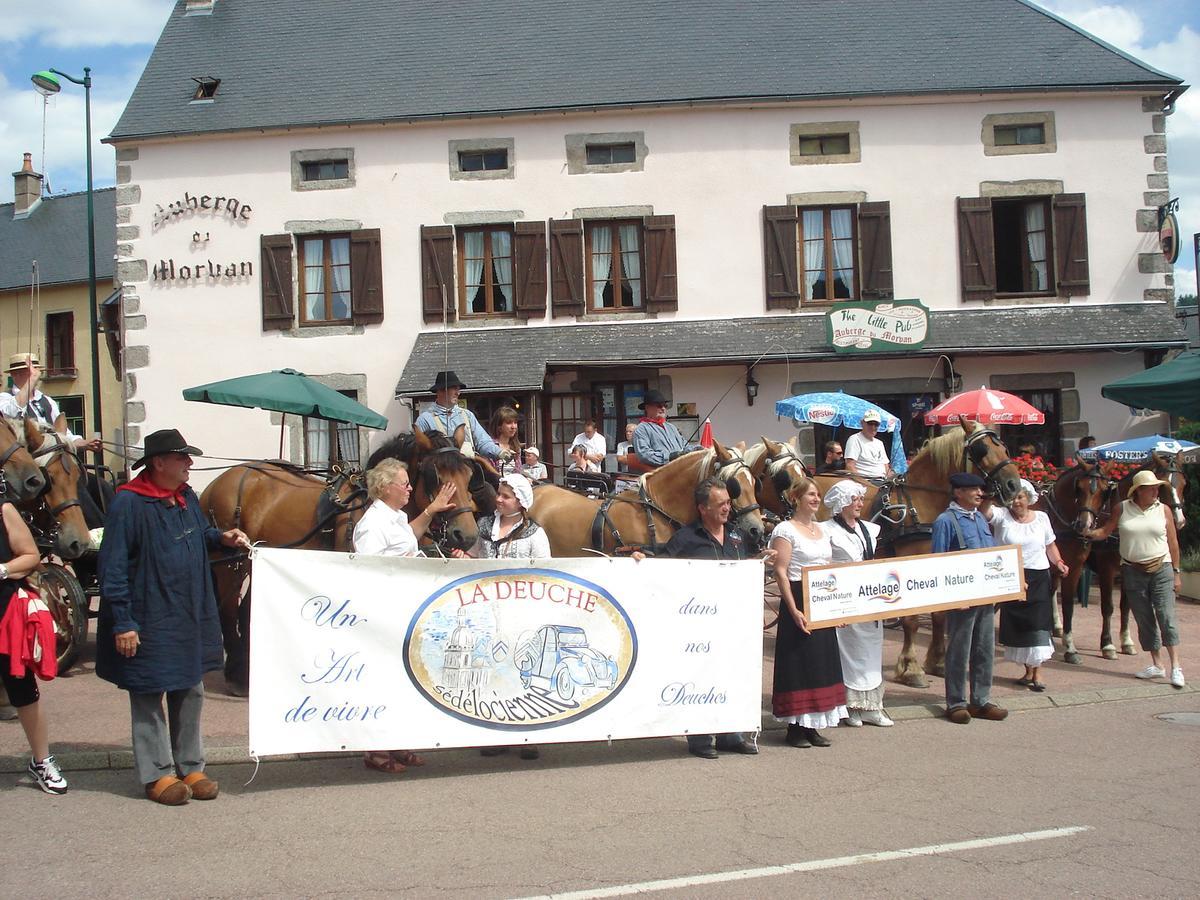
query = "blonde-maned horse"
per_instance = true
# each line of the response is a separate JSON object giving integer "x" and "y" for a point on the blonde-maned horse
{"x": 647, "y": 517}
{"x": 906, "y": 510}
{"x": 24, "y": 479}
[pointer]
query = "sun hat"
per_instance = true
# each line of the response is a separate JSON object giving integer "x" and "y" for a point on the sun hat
{"x": 446, "y": 380}
{"x": 168, "y": 440}
{"x": 19, "y": 361}
{"x": 1144, "y": 478}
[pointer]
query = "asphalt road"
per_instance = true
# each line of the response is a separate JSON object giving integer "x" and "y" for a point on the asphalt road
{"x": 591, "y": 817}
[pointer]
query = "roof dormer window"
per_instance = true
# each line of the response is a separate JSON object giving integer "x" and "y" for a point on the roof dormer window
{"x": 206, "y": 88}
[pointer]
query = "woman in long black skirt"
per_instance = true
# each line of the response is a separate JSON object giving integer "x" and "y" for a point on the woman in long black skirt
{"x": 1025, "y": 624}
{"x": 808, "y": 690}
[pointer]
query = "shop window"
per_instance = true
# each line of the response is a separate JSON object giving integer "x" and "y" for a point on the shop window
{"x": 1037, "y": 440}
{"x": 60, "y": 345}
{"x": 814, "y": 256}
{"x": 339, "y": 280}
{"x": 1033, "y": 246}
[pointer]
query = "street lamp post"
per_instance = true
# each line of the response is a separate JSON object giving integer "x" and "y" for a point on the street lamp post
{"x": 46, "y": 84}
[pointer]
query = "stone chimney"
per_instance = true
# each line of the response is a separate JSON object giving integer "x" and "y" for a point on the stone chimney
{"x": 27, "y": 188}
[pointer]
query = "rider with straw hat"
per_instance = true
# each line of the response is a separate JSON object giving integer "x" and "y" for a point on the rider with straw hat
{"x": 26, "y": 400}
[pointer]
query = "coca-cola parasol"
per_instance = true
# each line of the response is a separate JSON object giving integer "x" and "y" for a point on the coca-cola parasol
{"x": 987, "y": 407}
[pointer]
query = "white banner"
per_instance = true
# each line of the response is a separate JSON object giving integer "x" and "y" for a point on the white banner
{"x": 362, "y": 653}
{"x": 907, "y": 585}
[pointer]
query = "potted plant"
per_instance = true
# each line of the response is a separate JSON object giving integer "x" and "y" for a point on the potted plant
{"x": 1189, "y": 561}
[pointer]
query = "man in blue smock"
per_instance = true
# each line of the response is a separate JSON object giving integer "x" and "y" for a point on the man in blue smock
{"x": 655, "y": 440}
{"x": 444, "y": 415}
{"x": 159, "y": 631}
{"x": 970, "y": 633}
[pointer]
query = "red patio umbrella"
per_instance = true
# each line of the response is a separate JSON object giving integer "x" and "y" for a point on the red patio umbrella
{"x": 706, "y": 437}
{"x": 987, "y": 407}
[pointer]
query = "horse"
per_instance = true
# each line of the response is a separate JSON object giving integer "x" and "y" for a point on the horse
{"x": 281, "y": 505}
{"x": 1075, "y": 505}
{"x": 56, "y": 515}
{"x": 905, "y": 507}
{"x": 22, "y": 477}
{"x": 1105, "y": 556}
{"x": 663, "y": 503}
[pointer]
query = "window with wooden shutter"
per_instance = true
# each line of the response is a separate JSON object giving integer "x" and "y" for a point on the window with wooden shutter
{"x": 875, "y": 243}
{"x": 485, "y": 271}
{"x": 1070, "y": 245}
{"x": 437, "y": 272}
{"x": 662, "y": 277}
{"x": 278, "y": 308}
{"x": 613, "y": 254}
{"x": 781, "y": 229}
{"x": 976, "y": 251}
{"x": 366, "y": 274}
{"x": 566, "y": 267}
{"x": 529, "y": 263}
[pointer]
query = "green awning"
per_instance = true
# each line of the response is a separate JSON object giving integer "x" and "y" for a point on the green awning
{"x": 1173, "y": 387}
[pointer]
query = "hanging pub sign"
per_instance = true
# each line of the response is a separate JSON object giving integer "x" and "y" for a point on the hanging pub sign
{"x": 877, "y": 327}
{"x": 1168, "y": 231}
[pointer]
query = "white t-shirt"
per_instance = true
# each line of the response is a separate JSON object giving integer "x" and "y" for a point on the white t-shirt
{"x": 383, "y": 531}
{"x": 595, "y": 444}
{"x": 806, "y": 551}
{"x": 870, "y": 456}
{"x": 1032, "y": 537}
{"x": 536, "y": 472}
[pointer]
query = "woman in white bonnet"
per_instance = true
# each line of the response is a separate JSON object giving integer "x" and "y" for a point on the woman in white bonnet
{"x": 1025, "y": 624}
{"x": 860, "y": 643}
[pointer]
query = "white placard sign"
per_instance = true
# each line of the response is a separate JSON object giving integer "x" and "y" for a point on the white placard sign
{"x": 906, "y": 585}
{"x": 355, "y": 653}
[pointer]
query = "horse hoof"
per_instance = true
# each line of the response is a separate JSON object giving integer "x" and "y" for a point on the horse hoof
{"x": 1109, "y": 652}
{"x": 1073, "y": 658}
{"x": 1128, "y": 650}
{"x": 914, "y": 681}
{"x": 938, "y": 671}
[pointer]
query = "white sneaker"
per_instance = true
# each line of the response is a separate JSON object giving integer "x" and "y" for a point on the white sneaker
{"x": 1151, "y": 672}
{"x": 48, "y": 776}
{"x": 877, "y": 717}
{"x": 852, "y": 719}
{"x": 1177, "y": 677}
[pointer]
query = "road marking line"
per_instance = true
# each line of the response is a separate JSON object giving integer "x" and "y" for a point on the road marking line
{"x": 667, "y": 884}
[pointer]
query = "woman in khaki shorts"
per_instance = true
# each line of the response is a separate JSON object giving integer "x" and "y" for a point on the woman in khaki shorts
{"x": 1149, "y": 570}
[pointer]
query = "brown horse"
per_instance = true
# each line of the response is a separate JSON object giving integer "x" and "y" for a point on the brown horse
{"x": 905, "y": 508}
{"x": 1075, "y": 504}
{"x": 1105, "y": 557}
{"x": 56, "y": 516}
{"x": 578, "y": 525}
{"x": 25, "y": 481}
{"x": 283, "y": 506}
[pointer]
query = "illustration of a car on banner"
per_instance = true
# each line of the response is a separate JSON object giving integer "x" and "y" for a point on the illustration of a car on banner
{"x": 558, "y": 657}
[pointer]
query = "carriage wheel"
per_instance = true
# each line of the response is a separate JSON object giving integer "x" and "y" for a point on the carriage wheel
{"x": 68, "y": 604}
{"x": 771, "y": 604}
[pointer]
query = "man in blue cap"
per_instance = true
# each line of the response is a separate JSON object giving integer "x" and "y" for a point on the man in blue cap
{"x": 970, "y": 632}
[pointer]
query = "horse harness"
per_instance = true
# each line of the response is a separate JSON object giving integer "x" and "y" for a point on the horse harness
{"x": 68, "y": 452}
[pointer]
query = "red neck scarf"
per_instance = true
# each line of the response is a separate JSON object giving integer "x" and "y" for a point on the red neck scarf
{"x": 658, "y": 422}
{"x": 147, "y": 487}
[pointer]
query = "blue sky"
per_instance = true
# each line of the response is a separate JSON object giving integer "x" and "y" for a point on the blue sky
{"x": 115, "y": 38}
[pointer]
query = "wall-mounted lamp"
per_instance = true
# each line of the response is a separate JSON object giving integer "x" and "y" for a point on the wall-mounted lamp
{"x": 751, "y": 386}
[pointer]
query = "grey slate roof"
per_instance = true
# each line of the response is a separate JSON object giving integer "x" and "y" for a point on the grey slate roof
{"x": 289, "y": 63}
{"x": 56, "y": 236}
{"x": 516, "y": 359}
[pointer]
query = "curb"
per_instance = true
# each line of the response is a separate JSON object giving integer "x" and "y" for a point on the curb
{"x": 91, "y": 760}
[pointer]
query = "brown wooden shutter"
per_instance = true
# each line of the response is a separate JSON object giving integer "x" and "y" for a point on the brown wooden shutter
{"x": 278, "y": 308}
{"x": 1070, "y": 245}
{"x": 566, "y": 267}
{"x": 875, "y": 243}
{"x": 366, "y": 277}
{"x": 781, "y": 229}
{"x": 437, "y": 271}
{"x": 976, "y": 248}
{"x": 529, "y": 269}
{"x": 660, "y": 272}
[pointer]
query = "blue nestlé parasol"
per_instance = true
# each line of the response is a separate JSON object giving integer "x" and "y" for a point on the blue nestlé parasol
{"x": 835, "y": 408}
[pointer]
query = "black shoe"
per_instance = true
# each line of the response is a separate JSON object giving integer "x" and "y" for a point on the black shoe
{"x": 709, "y": 752}
{"x": 492, "y": 751}
{"x": 816, "y": 738}
{"x": 747, "y": 747}
{"x": 797, "y": 737}
{"x": 529, "y": 753}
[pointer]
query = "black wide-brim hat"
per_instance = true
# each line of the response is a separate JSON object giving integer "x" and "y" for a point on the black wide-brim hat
{"x": 653, "y": 397}
{"x": 445, "y": 381}
{"x": 168, "y": 440}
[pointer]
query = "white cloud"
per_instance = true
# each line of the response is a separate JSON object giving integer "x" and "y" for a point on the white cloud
{"x": 84, "y": 23}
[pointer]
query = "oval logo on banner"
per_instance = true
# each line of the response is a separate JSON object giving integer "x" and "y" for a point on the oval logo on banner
{"x": 520, "y": 648}
{"x": 823, "y": 415}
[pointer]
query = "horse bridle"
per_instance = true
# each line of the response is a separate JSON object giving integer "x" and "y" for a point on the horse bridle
{"x": 989, "y": 475}
{"x": 727, "y": 473}
{"x": 1087, "y": 518}
{"x": 439, "y": 525}
{"x": 59, "y": 446}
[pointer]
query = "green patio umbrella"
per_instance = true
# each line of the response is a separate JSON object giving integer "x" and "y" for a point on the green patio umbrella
{"x": 287, "y": 391}
{"x": 1173, "y": 387}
